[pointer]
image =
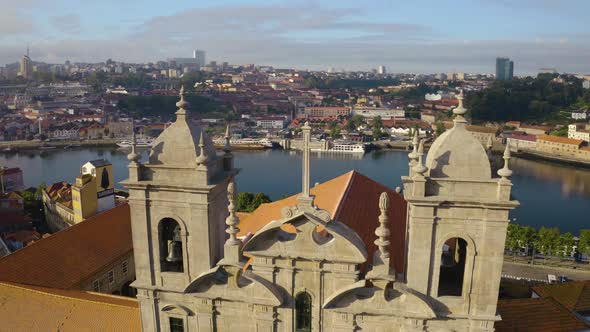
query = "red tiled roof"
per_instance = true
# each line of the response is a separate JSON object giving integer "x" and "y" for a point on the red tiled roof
{"x": 562, "y": 140}
{"x": 352, "y": 199}
{"x": 573, "y": 295}
{"x": 68, "y": 257}
{"x": 535, "y": 315}
{"x": 30, "y": 308}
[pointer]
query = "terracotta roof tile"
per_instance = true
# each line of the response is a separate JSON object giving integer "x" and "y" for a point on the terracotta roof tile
{"x": 557, "y": 139}
{"x": 68, "y": 257}
{"x": 542, "y": 314}
{"x": 352, "y": 199}
{"x": 573, "y": 295}
{"x": 30, "y": 308}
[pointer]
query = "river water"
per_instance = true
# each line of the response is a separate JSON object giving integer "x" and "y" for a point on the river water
{"x": 550, "y": 194}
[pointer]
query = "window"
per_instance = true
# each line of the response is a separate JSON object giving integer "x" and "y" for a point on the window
{"x": 176, "y": 324}
{"x": 96, "y": 286}
{"x": 303, "y": 312}
{"x": 111, "y": 276}
{"x": 125, "y": 267}
{"x": 171, "y": 259}
{"x": 452, "y": 267}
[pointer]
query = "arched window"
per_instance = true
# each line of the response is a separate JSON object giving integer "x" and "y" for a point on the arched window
{"x": 170, "y": 246}
{"x": 303, "y": 312}
{"x": 452, "y": 267}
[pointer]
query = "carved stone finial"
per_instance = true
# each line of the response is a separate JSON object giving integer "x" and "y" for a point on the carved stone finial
{"x": 382, "y": 231}
{"x": 414, "y": 154}
{"x": 202, "y": 158}
{"x": 232, "y": 221}
{"x": 420, "y": 169}
{"x": 227, "y": 146}
{"x": 133, "y": 156}
{"x": 505, "y": 172}
{"x": 182, "y": 104}
{"x": 459, "y": 111}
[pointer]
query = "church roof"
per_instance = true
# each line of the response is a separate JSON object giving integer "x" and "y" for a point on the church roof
{"x": 457, "y": 154}
{"x": 68, "y": 257}
{"x": 542, "y": 314}
{"x": 31, "y": 308}
{"x": 352, "y": 199}
{"x": 179, "y": 143}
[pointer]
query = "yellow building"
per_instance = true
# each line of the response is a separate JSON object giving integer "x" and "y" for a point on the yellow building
{"x": 102, "y": 172}
{"x": 84, "y": 202}
{"x": 93, "y": 192}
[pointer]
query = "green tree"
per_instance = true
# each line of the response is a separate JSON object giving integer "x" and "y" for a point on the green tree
{"x": 547, "y": 240}
{"x": 566, "y": 243}
{"x": 584, "y": 242}
{"x": 335, "y": 132}
{"x": 248, "y": 202}
{"x": 512, "y": 236}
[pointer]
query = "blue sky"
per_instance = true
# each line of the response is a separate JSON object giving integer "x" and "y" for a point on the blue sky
{"x": 406, "y": 36}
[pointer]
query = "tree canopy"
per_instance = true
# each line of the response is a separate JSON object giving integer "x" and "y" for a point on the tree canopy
{"x": 248, "y": 202}
{"x": 526, "y": 99}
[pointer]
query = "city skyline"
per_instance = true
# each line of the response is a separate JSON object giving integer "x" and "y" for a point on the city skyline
{"x": 313, "y": 35}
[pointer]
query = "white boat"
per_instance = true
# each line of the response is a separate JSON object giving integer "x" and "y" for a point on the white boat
{"x": 141, "y": 143}
{"x": 347, "y": 148}
{"x": 246, "y": 143}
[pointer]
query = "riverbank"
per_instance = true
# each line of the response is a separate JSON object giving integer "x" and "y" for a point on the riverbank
{"x": 36, "y": 144}
{"x": 15, "y": 146}
{"x": 534, "y": 155}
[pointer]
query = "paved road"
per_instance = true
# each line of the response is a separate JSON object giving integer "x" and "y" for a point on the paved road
{"x": 538, "y": 272}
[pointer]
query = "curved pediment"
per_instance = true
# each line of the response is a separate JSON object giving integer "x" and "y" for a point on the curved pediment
{"x": 307, "y": 235}
{"x": 397, "y": 300}
{"x": 231, "y": 283}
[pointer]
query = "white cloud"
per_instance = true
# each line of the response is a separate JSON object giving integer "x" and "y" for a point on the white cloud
{"x": 303, "y": 37}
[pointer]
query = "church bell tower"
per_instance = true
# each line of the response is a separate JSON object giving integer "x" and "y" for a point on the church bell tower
{"x": 178, "y": 201}
{"x": 457, "y": 222}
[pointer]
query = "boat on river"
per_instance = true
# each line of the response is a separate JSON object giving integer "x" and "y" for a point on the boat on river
{"x": 141, "y": 143}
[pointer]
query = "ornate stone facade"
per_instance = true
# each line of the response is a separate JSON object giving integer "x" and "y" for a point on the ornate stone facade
{"x": 302, "y": 272}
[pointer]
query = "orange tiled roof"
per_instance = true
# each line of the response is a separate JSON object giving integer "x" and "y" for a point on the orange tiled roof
{"x": 68, "y": 257}
{"x": 573, "y": 295}
{"x": 61, "y": 192}
{"x": 563, "y": 140}
{"x": 30, "y": 308}
{"x": 532, "y": 315}
{"x": 352, "y": 199}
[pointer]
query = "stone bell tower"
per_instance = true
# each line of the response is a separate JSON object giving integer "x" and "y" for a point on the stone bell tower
{"x": 457, "y": 221}
{"x": 178, "y": 202}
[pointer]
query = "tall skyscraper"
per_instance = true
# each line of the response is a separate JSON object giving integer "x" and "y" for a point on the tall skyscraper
{"x": 381, "y": 70}
{"x": 199, "y": 56}
{"x": 26, "y": 67}
{"x": 504, "y": 69}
